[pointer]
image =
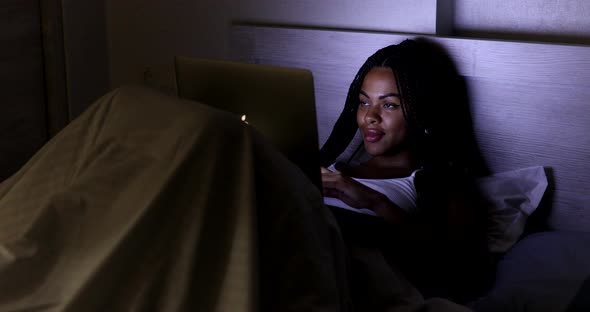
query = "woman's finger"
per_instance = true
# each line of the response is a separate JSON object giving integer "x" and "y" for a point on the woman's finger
{"x": 330, "y": 192}
{"x": 334, "y": 184}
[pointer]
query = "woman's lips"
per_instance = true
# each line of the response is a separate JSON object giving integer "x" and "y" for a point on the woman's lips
{"x": 373, "y": 135}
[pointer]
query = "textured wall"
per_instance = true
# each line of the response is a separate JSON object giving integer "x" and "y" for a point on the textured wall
{"x": 149, "y": 33}
{"x": 536, "y": 20}
{"x": 521, "y": 116}
{"x": 145, "y": 35}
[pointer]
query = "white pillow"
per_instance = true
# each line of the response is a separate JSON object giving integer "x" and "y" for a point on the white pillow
{"x": 513, "y": 196}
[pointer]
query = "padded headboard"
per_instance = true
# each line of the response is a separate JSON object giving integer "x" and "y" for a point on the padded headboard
{"x": 530, "y": 102}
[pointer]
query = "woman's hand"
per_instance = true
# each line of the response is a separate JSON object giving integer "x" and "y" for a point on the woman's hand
{"x": 357, "y": 195}
{"x": 351, "y": 192}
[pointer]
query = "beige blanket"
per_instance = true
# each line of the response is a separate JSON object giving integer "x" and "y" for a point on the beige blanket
{"x": 150, "y": 203}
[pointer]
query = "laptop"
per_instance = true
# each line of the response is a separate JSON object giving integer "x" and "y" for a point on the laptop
{"x": 278, "y": 101}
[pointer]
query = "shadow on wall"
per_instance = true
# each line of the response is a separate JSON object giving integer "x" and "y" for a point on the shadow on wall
{"x": 452, "y": 114}
{"x": 523, "y": 36}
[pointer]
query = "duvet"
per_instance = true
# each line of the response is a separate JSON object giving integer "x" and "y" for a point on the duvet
{"x": 151, "y": 203}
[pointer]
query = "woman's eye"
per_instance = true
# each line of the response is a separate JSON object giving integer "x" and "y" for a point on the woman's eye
{"x": 391, "y": 105}
{"x": 363, "y": 103}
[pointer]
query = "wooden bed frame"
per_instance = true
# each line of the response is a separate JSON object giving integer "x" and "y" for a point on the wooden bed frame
{"x": 530, "y": 102}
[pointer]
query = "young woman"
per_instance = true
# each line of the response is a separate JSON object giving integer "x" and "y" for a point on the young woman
{"x": 407, "y": 103}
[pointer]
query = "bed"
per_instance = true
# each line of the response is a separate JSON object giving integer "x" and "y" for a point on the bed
{"x": 530, "y": 105}
{"x": 71, "y": 240}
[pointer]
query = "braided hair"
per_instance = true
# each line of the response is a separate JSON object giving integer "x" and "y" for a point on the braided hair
{"x": 427, "y": 81}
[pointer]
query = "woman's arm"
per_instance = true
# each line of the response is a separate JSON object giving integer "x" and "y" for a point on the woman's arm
{"x": 357, "y": 195}
{"x": 456, "y": 220}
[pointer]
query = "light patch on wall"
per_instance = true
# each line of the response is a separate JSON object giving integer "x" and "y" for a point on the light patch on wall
{"x": 566, "y": 17}
{"x": 416, "y": 16}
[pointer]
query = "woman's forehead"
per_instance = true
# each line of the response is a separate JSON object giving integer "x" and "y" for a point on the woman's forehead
{"x": 379, "y": 78}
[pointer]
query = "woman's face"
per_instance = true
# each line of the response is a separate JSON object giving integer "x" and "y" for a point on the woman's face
{"x": 379, "y": 116}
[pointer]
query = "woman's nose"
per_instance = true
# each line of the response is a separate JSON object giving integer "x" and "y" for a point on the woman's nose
{"x": 372, "y": 115}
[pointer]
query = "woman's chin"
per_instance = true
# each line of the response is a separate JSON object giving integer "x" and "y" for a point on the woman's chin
{"x": 373, "y": 150}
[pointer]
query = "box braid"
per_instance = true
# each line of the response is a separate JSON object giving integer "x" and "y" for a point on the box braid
{"x": 409, "y": 66}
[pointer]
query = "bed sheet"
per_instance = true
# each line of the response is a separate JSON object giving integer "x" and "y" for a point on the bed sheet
{"x": 151, "y": 203}
{"x": 147, "y": 202}
{"x": 547, "y": 271}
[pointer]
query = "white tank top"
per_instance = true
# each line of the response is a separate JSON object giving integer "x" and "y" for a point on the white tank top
{"x": 401, "y": 191}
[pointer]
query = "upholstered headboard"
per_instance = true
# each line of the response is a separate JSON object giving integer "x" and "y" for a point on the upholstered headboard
{"x": 530, "y": 102}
